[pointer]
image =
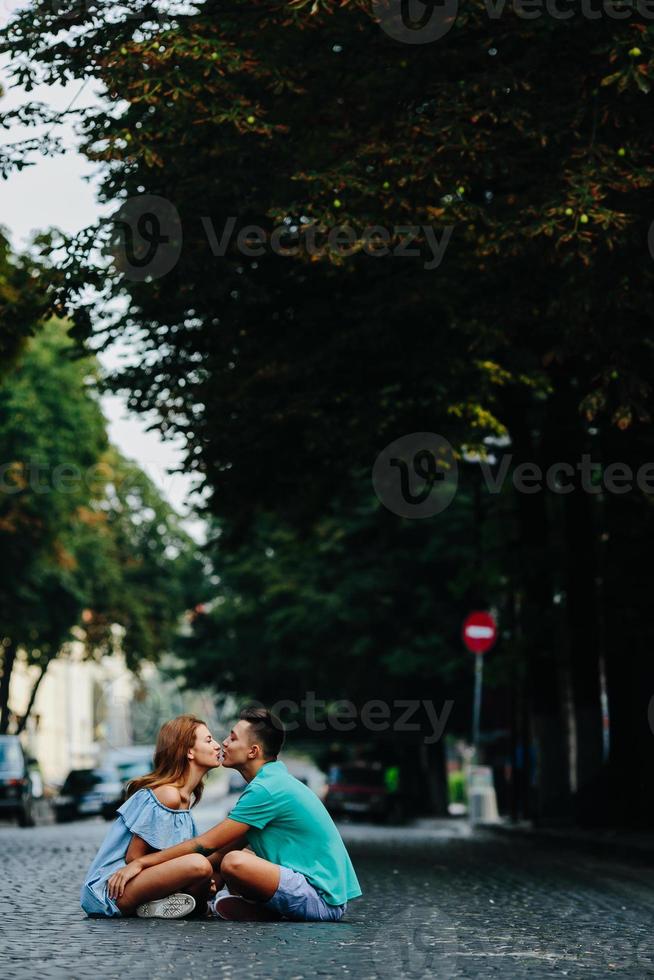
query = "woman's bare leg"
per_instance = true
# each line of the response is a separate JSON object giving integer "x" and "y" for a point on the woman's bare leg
{"x": 201, "y": 892}
{"x": 180, "y": 874}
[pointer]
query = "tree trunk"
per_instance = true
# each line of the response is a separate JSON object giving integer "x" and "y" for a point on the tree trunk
{"x": 413, "y": 778}
{"x": 30, "y": 704}
{"x": 629, "y": 637}
{"x": 8, "y": 661}
{"x": 435, "y": 777}
{"x": 519, "y": 807}
{"x": 552, "y": 800}
{"x": 584, "y": 637}
{"x": 579, "y": 517}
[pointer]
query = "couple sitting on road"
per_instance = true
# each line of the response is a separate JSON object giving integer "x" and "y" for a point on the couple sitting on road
{"x": 278, "y": 855}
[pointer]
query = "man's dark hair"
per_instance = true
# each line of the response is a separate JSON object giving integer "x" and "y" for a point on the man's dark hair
{"x": 268, "y": 727}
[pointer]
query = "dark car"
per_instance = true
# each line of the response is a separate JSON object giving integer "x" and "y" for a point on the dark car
{"x": 86, "y": 792}
{"x": 358, "y": 791}
{"x": 16, "y": 786}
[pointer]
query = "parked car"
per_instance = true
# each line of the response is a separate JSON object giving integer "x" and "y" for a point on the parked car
{"x": 306, "y": 771}
{"x": 236, "y": 783}
{"x": 128, "y": 759}
{"x": 355, "y": 790}
{"x": 16, "y": 782}
{"x": 86, "y": 792}
{"x": 125, "y": 773}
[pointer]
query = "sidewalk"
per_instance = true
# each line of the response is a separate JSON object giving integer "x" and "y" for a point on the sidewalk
{"x": 611, "y": 843}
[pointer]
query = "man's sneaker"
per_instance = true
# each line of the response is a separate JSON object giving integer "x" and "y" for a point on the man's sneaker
{"x": 211, "y": 903}
{"x": 234, "y": 908}
{"x": 173, "y": 907}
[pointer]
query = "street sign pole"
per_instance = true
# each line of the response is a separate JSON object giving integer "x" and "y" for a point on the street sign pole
{"x": 479, "y": 669}
{"x": 479, "y": 635}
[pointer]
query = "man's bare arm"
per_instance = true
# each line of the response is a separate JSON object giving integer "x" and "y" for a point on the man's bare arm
{"x": 222, "y": 835}
{"x": 218, "y": 837}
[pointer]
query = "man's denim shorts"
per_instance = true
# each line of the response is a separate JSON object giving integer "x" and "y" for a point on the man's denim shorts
{"x": 297, "y": 899}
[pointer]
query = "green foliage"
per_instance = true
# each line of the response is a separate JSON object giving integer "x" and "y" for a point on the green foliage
{"x": 142, "y": 570}
{"x": 287, "y": 374}
{"x": 88, "y": 544}
{"x": 23, "y": 301}
{"x": 51, "y": 433}
{"x": 359, "y": 606}
{"x": 456, "y": 784}
{"x": 286, "y": 112}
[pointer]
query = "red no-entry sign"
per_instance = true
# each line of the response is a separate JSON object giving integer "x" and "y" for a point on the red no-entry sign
{"x": 479, "y": 632}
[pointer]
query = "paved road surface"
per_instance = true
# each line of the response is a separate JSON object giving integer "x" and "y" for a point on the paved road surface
{"x": 438, "y": 903}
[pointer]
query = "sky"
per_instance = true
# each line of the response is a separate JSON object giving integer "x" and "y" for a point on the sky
{"x": 61, "y": 192}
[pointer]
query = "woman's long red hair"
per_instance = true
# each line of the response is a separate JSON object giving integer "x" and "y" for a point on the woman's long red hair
{"x": 171, "y": 764}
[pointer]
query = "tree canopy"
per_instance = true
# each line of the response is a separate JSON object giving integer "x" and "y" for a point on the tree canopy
{"x": 518, "y": 148}
{"x": 88, "y": 543}
{"x": 24, "y": 299}
{"x": 527, "y": 137}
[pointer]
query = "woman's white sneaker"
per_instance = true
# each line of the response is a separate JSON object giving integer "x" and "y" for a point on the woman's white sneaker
{"x": 173, "y": 907}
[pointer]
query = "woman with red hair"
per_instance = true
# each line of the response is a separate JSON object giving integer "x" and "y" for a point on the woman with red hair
{"x": 156, "y": 815}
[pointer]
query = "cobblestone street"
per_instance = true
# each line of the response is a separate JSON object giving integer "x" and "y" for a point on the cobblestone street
{"x": 438, "y": 903}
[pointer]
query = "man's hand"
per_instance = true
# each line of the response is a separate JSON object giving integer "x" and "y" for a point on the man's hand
{"x": 118, "y": 880}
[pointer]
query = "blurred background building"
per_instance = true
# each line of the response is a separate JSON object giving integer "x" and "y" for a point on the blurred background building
{"x": 88, "y": 710}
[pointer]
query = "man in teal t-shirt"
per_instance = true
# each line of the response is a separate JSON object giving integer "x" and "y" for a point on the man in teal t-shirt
{"x": 290, "y": 827}
{"x": 297, "y": 845}
{"x": 299, "y": 869}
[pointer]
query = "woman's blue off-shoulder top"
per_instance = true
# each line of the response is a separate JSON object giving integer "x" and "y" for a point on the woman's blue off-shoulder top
{"x": 142, "y": 814}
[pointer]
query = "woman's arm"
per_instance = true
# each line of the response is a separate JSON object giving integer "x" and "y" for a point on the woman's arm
{"x": 138, "y": 848}
{"x": 223, "y": 834}
{"x": 170, "y": 797}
